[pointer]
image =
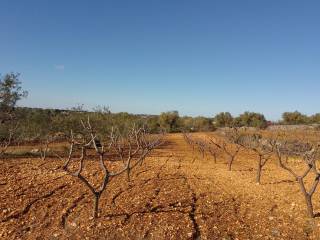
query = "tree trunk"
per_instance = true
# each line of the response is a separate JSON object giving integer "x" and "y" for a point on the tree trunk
{"x": 308, "y": 199}
{"x": 96, "y": 205}
{"x": 128, "y": 174}
{"x": 43, "y": 154}
{"x": 309, "y": 205}
{"x": 259, "y": 169}
{"x": 230, "y": 163}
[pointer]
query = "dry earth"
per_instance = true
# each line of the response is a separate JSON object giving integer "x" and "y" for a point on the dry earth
{"x": 176, "y": 194}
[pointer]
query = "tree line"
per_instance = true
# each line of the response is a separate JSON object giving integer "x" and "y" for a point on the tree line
{"x": 32, "y": 124}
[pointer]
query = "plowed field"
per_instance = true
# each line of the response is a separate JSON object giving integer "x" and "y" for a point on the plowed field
{"x": 175, "y": 194}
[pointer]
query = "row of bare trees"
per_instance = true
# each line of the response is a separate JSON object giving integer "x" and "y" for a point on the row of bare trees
{"x": 116, "y": 154}
{"x": 216, "y": 146}
{"x": 280, "y": 148}
{"x": 197, "y": 144}
{"x": 305, "y": 152}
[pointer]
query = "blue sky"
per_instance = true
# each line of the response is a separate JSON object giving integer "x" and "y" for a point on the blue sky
{"x": 149, "y": 56}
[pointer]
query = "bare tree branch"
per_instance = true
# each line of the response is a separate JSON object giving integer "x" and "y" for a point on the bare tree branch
{"x": 131, "y": 150}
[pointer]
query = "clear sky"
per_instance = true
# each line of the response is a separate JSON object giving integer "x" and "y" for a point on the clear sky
{"x": 149, "y": 56}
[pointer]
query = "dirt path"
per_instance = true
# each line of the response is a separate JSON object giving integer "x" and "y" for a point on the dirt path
{"x": 176, "y": 194}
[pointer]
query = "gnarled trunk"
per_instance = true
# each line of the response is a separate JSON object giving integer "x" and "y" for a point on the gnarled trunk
{"x": 307, "y": 197}
{"x": 259, "y": 170}
{"x": 96, "y": 205}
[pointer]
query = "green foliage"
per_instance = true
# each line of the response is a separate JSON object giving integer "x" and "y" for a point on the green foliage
{"x": 202, "y": 124}
{"x": 315, "y": 118}
{"x": 34, "y": 124}
{"x": 251, "y": 119}
{"x": 169, "y": 121}
{"x": 39, "y": 124}
{"x": 294, "y": 118}
{"x": 4, "y": 133}
{"x": 223, "y": 119}
{"x": 196, "y": 124}
{"x": 152, "y": 123}
{"x": 10, "y": 93}
{"x": 187, "y": 124}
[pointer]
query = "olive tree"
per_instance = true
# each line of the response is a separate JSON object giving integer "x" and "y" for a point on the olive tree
{"x": 251, "y": 119}
{"x": 169, "y": 121}
{"x": 10, "y": 93}
{"x": 294, "y": 118}
{"x": 223, "y": 119}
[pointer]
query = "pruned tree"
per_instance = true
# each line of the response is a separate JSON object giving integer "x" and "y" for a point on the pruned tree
{"x": 262, "y": 147}
{"x": 213, "y": 149}
{"x": 230, "y": 145}
{"x": 133, "y": 150}
{"x": 308, "y": 153}
{"x": 135, "y": 144}
{"x": 201, "y": 146}
{"x": 196, "y": 144}
{"x": 189, "y": 140}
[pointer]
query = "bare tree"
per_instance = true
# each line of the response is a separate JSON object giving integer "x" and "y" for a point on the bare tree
{"x": 137, "y": 146}
{"x": 229, "y": 145}
{"x": 196, "y": 143}
{"x": 213, "y": 150}
{"x": 262, "y": 147}
{"x": 201, "y": 146}
{"x": 187, "y": 137}
{"x": 190, "y": 141}
{"x": 308, "y": 153}
{"x": 231, "y": 150}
